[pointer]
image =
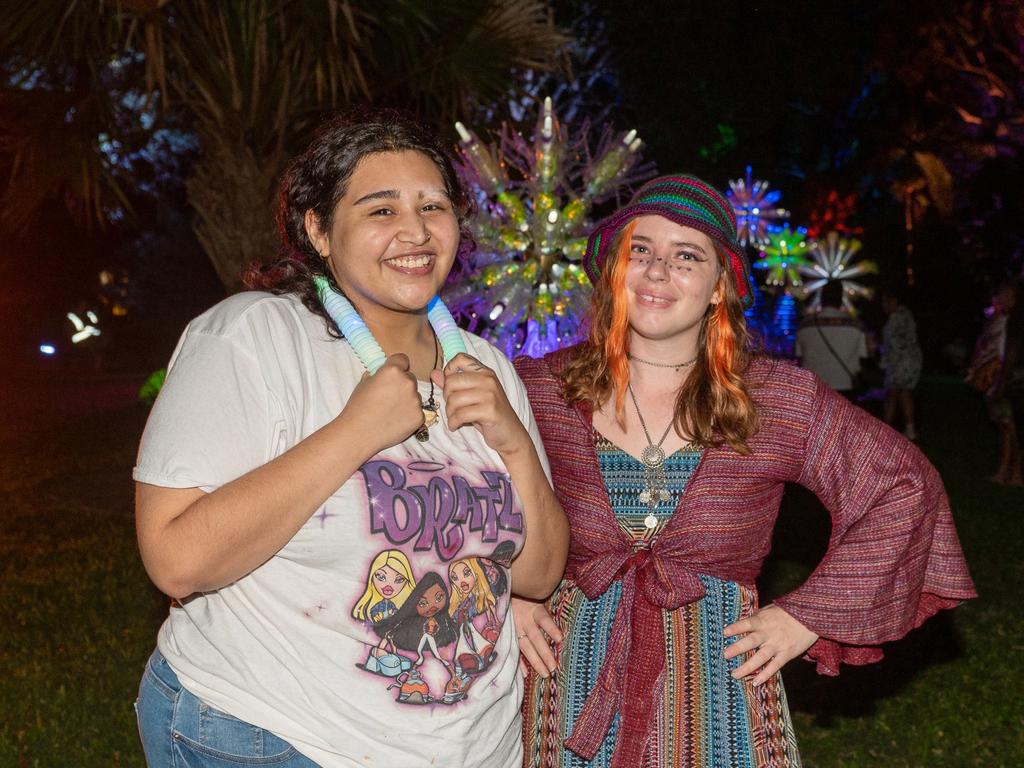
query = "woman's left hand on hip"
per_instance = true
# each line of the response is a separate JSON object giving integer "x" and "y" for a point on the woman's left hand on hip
{"x": 774, "y": 636}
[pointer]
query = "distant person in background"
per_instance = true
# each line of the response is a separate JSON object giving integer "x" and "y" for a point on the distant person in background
{"x": 831, "y": 342}
{"x": 1009, "y": 381}
{"x": 901, "y": 361}
{"x": 984, "y": 375}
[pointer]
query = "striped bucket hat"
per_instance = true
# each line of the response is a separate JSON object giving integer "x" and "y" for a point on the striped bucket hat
{"x": 687, "y": 201}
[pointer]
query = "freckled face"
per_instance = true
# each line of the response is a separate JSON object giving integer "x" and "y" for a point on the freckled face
{"x": 672, "y": 279}
{"x": 431, "y": 601}
{"x": 462, "y": 577}
{"x": 388, "y": 581}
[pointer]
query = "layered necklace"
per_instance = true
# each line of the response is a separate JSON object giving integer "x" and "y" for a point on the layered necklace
{"x": 653, "y": 458}
{"x": 369, "y": 351}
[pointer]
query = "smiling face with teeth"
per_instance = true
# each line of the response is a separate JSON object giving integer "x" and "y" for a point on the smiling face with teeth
{"x": 673, "y": 277}
{"x": 393, "y": 235}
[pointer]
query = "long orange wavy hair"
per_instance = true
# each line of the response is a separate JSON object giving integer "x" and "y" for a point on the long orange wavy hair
{"x": 713, "y": 405}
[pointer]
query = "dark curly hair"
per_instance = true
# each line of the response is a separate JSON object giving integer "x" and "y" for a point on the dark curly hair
{"x": 318, "y": 178}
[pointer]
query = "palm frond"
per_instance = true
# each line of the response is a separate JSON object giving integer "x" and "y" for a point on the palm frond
{"x": 49, "y": 139}
{"x": 252, "y": 67}
{"x": 253, "y": 75}
{"x": 462, "y": 52}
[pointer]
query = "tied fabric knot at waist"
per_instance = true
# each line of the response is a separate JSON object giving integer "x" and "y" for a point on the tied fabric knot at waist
{"x": 652, "y": 580}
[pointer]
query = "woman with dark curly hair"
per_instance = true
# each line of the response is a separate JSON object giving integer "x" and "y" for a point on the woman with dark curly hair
{"x": 316, "y": 451}
{"x": 670, "y": 443}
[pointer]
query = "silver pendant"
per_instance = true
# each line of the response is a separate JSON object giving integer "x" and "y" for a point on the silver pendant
{"x": 651, "y": 521}
{"x": 653, "y": 456}
{"x": 652, "y": 495}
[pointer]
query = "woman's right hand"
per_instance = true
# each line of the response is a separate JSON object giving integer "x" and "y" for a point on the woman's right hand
{"x": 535, "y": 628}
{"x": 192, "y": 541}
{"x": 385, "y": 408}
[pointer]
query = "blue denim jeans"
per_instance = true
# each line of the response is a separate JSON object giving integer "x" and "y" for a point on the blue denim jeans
{"x": 180, "y": 731}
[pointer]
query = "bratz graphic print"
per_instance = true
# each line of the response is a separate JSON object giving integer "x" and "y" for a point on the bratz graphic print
{"x": 436, "y": 597}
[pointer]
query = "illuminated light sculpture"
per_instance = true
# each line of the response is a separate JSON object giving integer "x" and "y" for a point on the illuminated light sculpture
{"x": 784, "y": 320}
{"x": 833, "y": 214}
{"x": 82, "y": 329}
{"x": 783, "y": 257}
{"x": 755, "y": 208}
{"x": 834, "y": 258}
{"x": 523, "y": 288}
{"x": 115, "y": 291}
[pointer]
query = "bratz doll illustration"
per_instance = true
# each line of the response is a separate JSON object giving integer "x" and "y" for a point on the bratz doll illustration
{"x": 477, "y": 583}
{"x": 388, "y": 585}
{"x": 423, "y": 623}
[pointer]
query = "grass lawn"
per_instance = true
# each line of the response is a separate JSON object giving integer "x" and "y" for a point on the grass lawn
{"x": 80, "y": 615}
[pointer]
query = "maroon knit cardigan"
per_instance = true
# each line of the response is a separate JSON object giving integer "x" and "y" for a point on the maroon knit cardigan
{"x": 893, "y": 557}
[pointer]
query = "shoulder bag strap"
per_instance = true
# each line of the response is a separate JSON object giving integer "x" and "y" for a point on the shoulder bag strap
{"x": 834, "y": 353}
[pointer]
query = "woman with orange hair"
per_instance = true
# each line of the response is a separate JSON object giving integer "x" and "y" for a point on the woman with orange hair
{"x": 670, "y": 443}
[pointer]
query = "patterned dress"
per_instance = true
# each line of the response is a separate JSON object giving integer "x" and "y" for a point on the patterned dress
{"x": 901, "y": 354}
{"x": 705, "y": 717}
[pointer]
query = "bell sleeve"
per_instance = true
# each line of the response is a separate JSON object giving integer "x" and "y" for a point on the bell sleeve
{"x": 893, "y": 558}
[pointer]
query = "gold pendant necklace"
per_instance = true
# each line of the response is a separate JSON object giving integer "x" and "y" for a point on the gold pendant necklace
{"x": 429, "y": 407}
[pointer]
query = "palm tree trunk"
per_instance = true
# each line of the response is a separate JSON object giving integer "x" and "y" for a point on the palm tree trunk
{"x": 232, "y": 193}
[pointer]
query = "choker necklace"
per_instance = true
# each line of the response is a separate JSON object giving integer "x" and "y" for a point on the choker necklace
{"x": 653, "y": 459}
{"x": 677, "y": 366}
{"x": 368, "y": 350}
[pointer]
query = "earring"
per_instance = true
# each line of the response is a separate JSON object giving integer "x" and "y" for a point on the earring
{"x": 323, "y": 256}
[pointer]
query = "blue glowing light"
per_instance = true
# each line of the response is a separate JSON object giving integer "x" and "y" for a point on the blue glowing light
{"x": 755, "y": 207}
{"x": 48, "y": 349}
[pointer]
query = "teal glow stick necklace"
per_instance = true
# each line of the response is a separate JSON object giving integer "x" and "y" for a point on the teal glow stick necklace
{"x": 369, "y": 351}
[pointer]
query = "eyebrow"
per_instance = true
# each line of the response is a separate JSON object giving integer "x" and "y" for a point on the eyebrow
{"x": 383, "y": 194}
{"x": 677, "y": 243}
{"x": 394, "y": 194}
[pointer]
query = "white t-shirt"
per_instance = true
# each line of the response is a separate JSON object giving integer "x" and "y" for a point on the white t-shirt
{"x": 847, "y": 339}
{"x": 380, "y": 634}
